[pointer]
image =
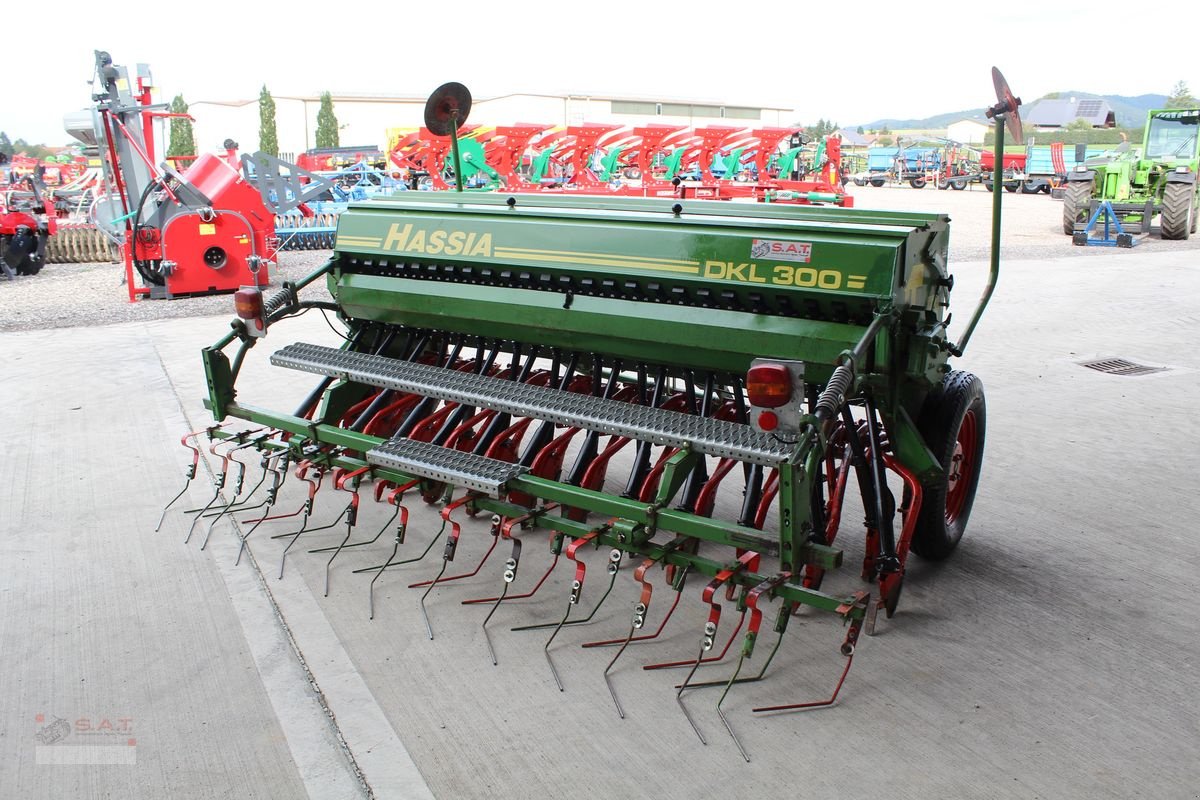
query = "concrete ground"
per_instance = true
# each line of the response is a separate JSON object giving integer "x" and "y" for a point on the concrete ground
{"x": 1053, "y": 655}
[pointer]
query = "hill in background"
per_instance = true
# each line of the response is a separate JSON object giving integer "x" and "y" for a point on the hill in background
{"x": 1130, "y": 112}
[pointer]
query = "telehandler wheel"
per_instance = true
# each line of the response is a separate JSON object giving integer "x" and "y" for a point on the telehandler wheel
{"x": 953, "y": 422}
{"x": 1077, "y": 203}
{"x": 1178, "y": 215}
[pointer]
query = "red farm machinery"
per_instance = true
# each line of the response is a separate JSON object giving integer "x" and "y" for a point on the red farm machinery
{"x": 208, "y": 229}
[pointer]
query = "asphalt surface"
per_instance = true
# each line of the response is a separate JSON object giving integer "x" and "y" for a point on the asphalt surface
{"x": 1052, "y": 656}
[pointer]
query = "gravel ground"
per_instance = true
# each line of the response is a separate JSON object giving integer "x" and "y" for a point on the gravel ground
{"x": 70, "y": 295}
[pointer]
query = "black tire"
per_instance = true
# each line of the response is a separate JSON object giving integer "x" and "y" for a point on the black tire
{"x": 958, "y": 186}
{"x": 943, "y": 185}
{"x": 953, "y": 422}
{"x": 1011, "y": 187}
{"x": 1030, "y": 187}
{"x": 860, "y": 181}
{"x": 1077, "y": 204}
{"x": 877, "y": 182}
{"x": 917, "y": 183}
{"x": 1178, "y": 213}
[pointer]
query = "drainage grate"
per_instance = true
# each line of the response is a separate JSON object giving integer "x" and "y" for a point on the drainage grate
{"x": 1120, "y": 366}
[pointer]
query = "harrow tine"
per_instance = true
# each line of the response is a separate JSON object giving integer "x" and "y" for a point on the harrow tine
{"x": 351, "y": 514}
{"x": 639, "y": 613}
{"x": 190, "y": 473}
{"x": 639, "y": 619}
{"x": 556, "y": 540}
{"x": 218, "y": 485}
{"x": 710, "y": 627}
{"x": 399, "y": 540}
{"x": 613, "y": 568}
{"x": 241, "y": 475}
{"x": 705, "y": 644}
{"x": 510, "y": 575}
{"x": 495, "y": 540}
{"x": 708, "y": 660}
{"x": 380, "y": 488}
{"x": 576, "y": 590}
{"x": 313, "y": 487}
{"x": 447, "y": 553}
{"x": 860, "y": 600}
{"x": 278, "y": 475}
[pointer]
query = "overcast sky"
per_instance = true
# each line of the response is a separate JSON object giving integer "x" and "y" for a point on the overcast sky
{"x": 851, "y": 62}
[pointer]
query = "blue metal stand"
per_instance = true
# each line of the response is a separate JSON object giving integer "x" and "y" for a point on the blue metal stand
{"x": 1114, "y": 234}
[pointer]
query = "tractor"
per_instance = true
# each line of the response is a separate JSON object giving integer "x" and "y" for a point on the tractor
{"x": 1158, "y": 180}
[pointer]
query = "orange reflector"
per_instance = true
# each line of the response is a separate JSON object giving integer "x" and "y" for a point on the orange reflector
{"x": 769, "y": 385}
{"x": 248, "y": 302}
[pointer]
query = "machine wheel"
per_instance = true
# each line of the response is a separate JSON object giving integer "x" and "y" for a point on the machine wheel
{"x": 877, "y": 182}
{"x": 917, "y": 183}
{"x": 958, "y": 186}
{"x": 943, "y": 185}
{"x": 1030, "y": 187}
{"x": 1178, "y": 214}
{"x": 860, "y": 181}
{"x": 1077, "y": 204}
{"x": 953, "y": 422}
{"x": 1011, "y": 187}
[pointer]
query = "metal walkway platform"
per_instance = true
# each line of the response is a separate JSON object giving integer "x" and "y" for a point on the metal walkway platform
{"x": 425, "y": 460}
{"x": 670, "y": 428}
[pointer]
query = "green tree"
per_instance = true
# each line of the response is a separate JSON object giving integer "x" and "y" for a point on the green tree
{"x": 1079, "y": 124}
{"x": 1181, "y": 97}
{"x": 39, "y": 151}
{"x": 884, "y": 130}
{"x": 6, "y": 147}
{"x": 327, "y": 124}
{"x": 268, "y": 136}
{"x": 860, "y": 130}
{"x": 183, "y": 140}
{"x": 886, "y": 141}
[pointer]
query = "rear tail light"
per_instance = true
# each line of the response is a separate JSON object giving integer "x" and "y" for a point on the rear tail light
{"x": 248, "y": 303}
{"x": 769, "y": 385}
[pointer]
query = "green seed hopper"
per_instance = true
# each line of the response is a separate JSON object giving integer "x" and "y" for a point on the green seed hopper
{"x": 694, "y": 385}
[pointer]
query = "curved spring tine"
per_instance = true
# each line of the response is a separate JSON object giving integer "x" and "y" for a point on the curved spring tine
{"x": 218, "y": 485}
{"x": 638, "y": 620}
{"x": 576, "y": 590}
{"x": 399, "y": 540}
{"x": 614, "y": 566}
{"x": 238, "y": 482}
{"x": 576, "y": 585}
{"x": 351, "y": 515}
{"x": 861, "y": 600}
{"x": 278, "y": 474}
{"x": 639, "y": 613}
{"x": 396, "y": 495}
{"x": 191, "y": 471}
{"x": 510, "y": 575}
{"x": 447, "y": 553}
{"x": 313, "y": 486}
{"x": 710, "y": 627}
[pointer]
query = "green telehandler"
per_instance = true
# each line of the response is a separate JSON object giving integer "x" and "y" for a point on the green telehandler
{"x": 1157, "y": 180}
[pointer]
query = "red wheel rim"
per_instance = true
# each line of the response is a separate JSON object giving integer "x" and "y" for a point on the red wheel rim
{"x": 962, "y": 468}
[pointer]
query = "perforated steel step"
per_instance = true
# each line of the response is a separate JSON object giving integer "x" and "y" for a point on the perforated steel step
{"x": 425, "y": 460}
{"x": 670, "y": 428}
